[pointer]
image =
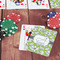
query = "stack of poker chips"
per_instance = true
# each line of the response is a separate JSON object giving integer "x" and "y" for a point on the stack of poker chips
{"x": 2, "y": 33}
{"x": 53, "y": 20}
{"x": 8, "y": 26}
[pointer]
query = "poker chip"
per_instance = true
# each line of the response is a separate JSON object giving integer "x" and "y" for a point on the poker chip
{"x": 51, "y": 14}
{"x": 13, "y": 16}
{"x": 9, "y": 27}
{"x": 2, "y": 34}
{"x": 54, "y": 22}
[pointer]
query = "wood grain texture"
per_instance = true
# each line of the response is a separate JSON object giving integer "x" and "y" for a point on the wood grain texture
{"x": 0, "y": 14}
{"x": 39, "y": 17}
{"x": 10, "y": 50}
{"x": 10, "y": 45}
{"x": 0, "y": 41}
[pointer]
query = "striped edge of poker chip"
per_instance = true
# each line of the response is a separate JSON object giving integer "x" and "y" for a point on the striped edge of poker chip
{"x": 9, "y": 27}
{"x": 2, "y": 34}
{"x": 13, "y": 16}
{"x": 51, "y": 14}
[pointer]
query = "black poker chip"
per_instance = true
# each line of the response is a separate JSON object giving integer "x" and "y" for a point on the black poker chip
{"x": 2, "y": 34}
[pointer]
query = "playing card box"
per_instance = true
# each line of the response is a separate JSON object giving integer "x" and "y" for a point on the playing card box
{"x": 23, "y": 31}
{"x": 37, "y": 39}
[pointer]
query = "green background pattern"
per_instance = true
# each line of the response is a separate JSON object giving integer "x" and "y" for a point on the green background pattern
{"x": 42, "y": 50}
{"x": 55, "y": 3}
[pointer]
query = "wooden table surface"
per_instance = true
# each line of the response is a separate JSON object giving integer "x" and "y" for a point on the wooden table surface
{"x": 10, "y": 45}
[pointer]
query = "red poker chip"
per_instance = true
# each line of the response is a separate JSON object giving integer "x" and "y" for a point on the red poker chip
{"x": 54, "y": 22}
{"x": 4, "y": 18}
{"x": 15, "y": 17}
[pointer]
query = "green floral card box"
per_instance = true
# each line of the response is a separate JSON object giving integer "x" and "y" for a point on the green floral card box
{"x": 37, "y": 39}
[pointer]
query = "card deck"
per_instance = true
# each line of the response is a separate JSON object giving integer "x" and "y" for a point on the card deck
{"x": 37, "y": 39}
{"x": 23, "y": 40}
{"x": 16, "y": 4}
{"x": 41, "y": 41}
{"x": 2, "y": 4}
